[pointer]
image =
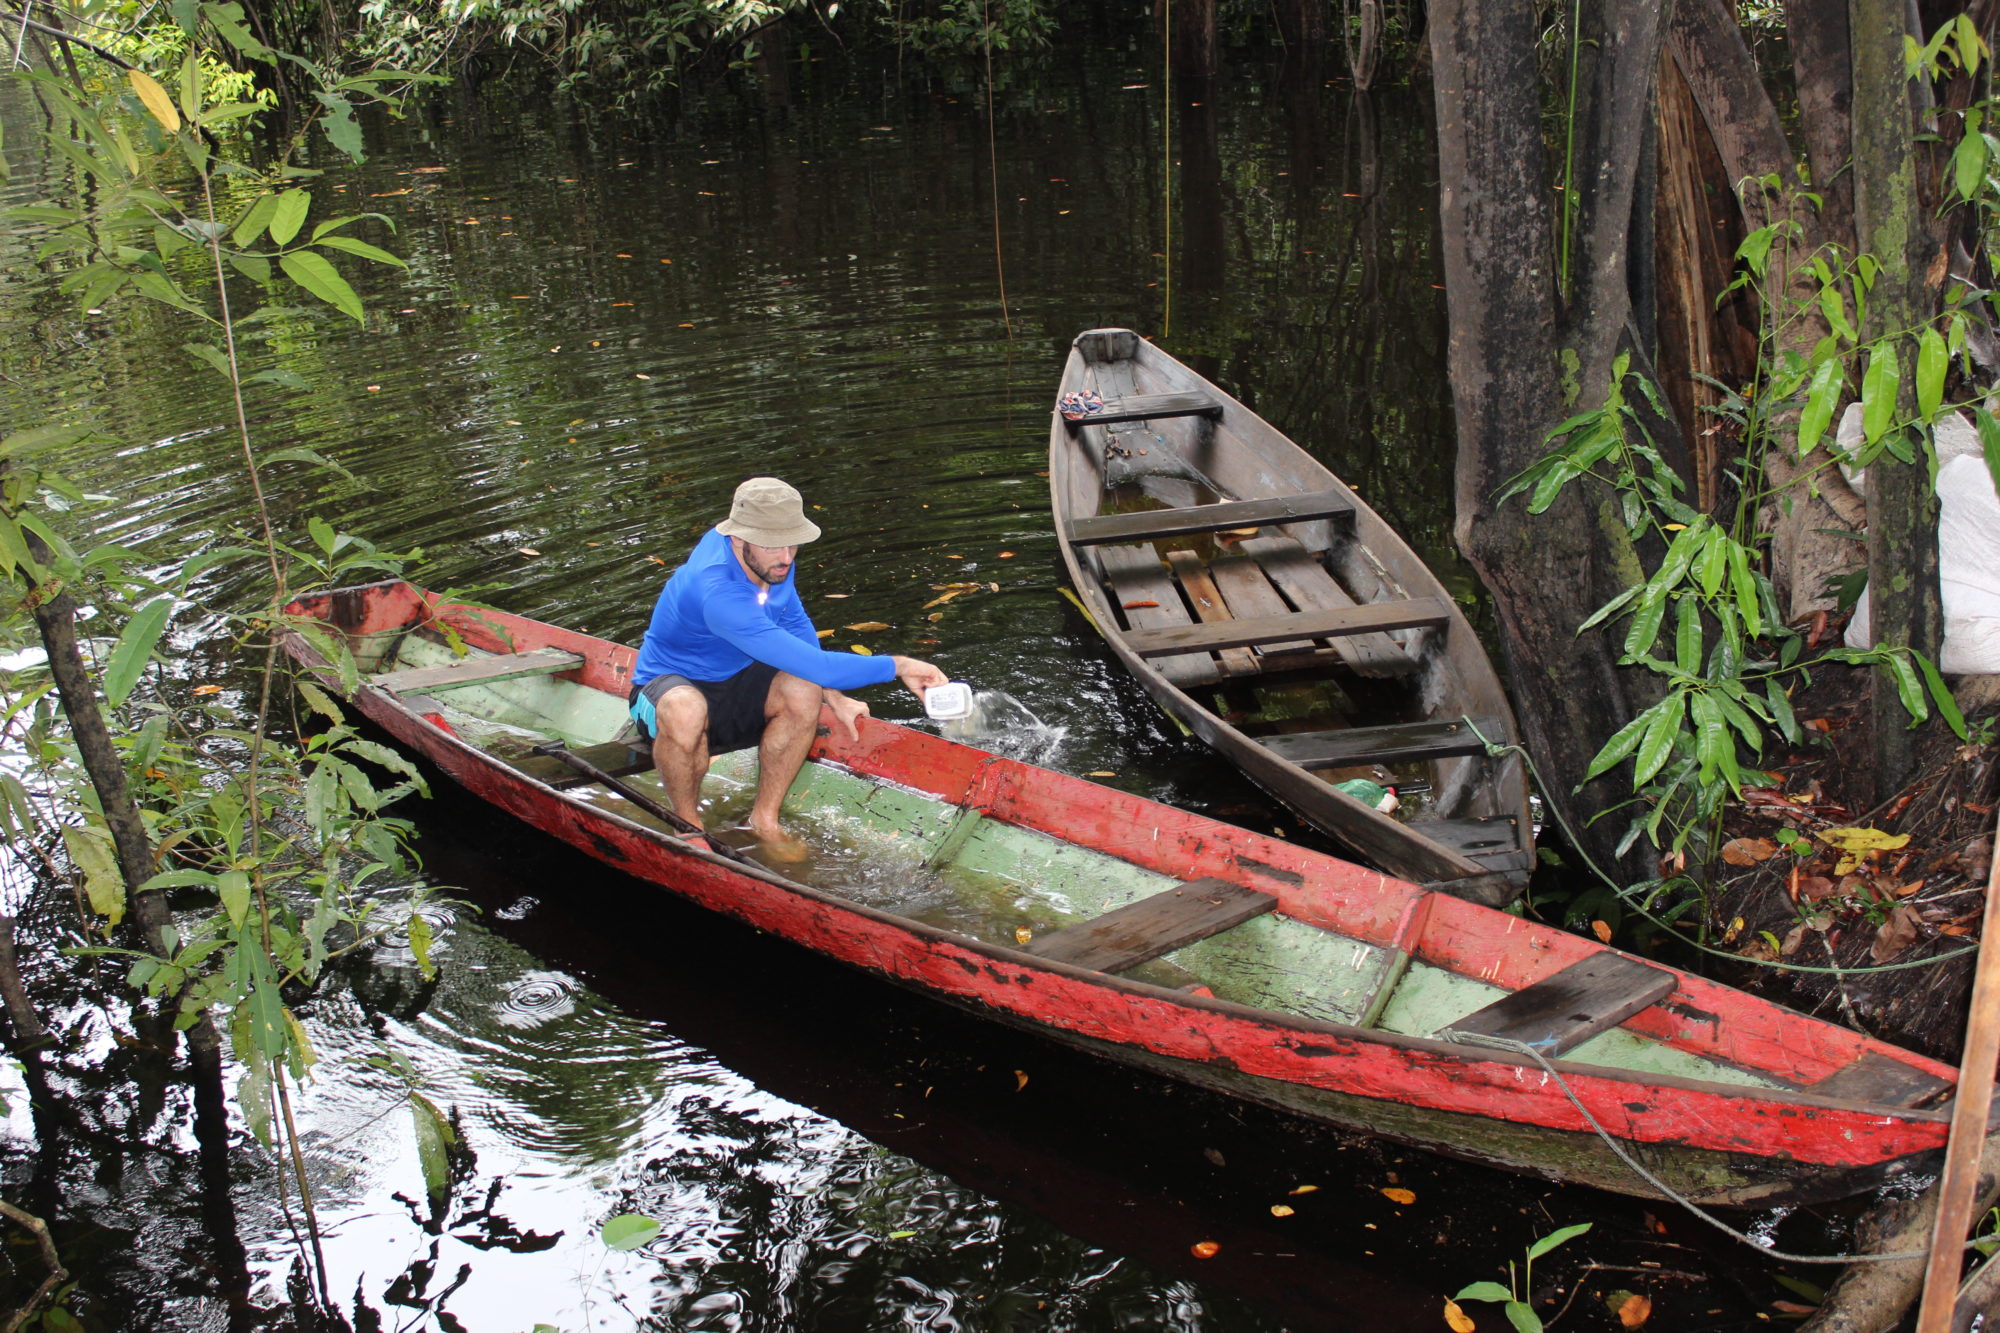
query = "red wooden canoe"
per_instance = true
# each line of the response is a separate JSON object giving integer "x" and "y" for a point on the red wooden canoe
{"x": 1289, "y": 977}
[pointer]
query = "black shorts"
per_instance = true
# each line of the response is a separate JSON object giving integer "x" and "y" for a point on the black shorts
{"x": 735, "y": 705}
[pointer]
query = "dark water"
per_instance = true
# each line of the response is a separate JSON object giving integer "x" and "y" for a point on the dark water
{"x": 603, "y": 327}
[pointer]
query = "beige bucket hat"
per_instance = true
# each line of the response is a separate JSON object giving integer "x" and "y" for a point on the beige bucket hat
{"x": 767, "y": 512}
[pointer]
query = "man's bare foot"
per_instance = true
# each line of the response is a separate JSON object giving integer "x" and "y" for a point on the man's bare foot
{"x": 779, "y": 845}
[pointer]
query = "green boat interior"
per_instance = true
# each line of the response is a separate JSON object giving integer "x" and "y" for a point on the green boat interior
{"x": 905, "y": 852}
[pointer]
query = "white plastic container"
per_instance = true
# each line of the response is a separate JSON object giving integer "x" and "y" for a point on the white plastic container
{"x": 948, "y": 702}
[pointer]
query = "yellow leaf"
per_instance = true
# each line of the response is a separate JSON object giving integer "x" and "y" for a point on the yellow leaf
{"x": 1306, "y": 1189}
{"x": 1675, "y": 527}
{"x": 1282, "y": 1210}
{"x": 823, "y": 633}
{"x": 1863, "y": 839}
{"x": 934, "y": 617}
{"x": 861, "y": 648}
{"x": 1020, "y": 1079}
{"x": 1100, "y": 773}
{"x": 529, "y": 550}
{"x": 837, "y": 596}
{"x": 1204, "y": 1249}
{"x": 1635, "y": 1310}
{"x": 208, "y": 689}
{"x": 156, "y": 99}
{"x": 1601, "y": 929}
{"x": 1022, "y": 934}
{"x": 867, "y": 627}
{"x": 1394, "y": 1195}
{"x": 1457, "y": 1320}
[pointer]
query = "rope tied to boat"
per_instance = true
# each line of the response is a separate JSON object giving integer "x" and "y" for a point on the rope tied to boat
{"x": 1628, "y": 895}
{"x": 1666, "y": 1191}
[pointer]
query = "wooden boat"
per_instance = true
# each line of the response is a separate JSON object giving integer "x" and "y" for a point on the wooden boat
{"x": 1177, "y": 944}
{"x": 1261, "y": 603}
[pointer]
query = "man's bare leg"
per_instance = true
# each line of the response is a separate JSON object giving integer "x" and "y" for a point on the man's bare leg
{"x": 680, "y": 748}
{"x": 791, "y": 714}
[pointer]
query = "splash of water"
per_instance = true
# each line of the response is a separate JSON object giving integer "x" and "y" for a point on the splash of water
{"x": 1004, "y": 725}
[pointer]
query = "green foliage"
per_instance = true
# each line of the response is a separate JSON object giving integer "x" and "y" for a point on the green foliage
{"x": 272, "y": 853}
{"x": 1513, "y": 1298}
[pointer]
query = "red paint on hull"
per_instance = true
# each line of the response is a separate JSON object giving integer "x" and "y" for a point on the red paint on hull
{"x": 1777, "y": 1140}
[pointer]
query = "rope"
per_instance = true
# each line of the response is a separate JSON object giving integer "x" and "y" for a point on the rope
{"x": 1495, "y": 749}
{"x": 1665, "y": 1190}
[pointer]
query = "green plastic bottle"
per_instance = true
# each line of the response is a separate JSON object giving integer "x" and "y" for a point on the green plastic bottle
{"x": 1370, "y": 793}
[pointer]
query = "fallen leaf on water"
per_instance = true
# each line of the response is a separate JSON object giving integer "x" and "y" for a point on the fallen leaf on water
{"x": 1399, "y": 1195}
{"x": 1602, "y": 930}
{"x": 374, "y": 388}
{"x": 669, "y": 261}
{"x": 1022, "y": 934}
{"x": 1282, "y": 1210}
{"x": 1214, "y": 1155}
{"x": 838, "y": 596}
{"x": 1006, "y": 555}
{"x": 861, "y": 648}
{"x": 641, "y": 377}
{"x": 1748, "y": 851}
{"x": 934, "y": 617}
{"x": 529, "y": 550}
{"x": 1101, "y": 773}
{"x": 1135, "y": 606}
{"x": 513, "y": 423}
{"x": 901, "y": 1235}
{"x": 1793, "y": 1307}
{"x": 940, "y": 601}
{"x": 1305, "y": 1189}
{"x": 1457, "y": 1320}
{"x": 823, "y": 633}
{"x": 1204, "y": 1249}
{"x": 656, "y": 560}
{"x": 867, "y": 626}
{"x": 206, "y": 689}
{"x": 1020, "y": 1079}
{"x": 1634, "y": 1310}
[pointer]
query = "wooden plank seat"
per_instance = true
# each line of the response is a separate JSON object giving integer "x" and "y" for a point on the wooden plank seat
{"x": 1150, "y": 407}
{"x": 1377, "y": 617}
{"x": 1169, "y": 920}
{"x": 1482, "y": 839}
{"x": 477, "y": 671}
{"x": 1134, "y": 576}
{"x": 1250, "y": 595}
{"x": 620, "y": 759}
{"x": 1303, "y": 580}
{"x": 1151, "y": 524}
{"x": 1211, "y": 608}
{"x": 1397, "y": 743}
{"x": 1561, "y": 1012}
{"x": 1881, "y": 1081}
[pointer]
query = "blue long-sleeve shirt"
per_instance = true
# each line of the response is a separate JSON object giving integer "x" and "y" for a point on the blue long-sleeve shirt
{"x": 711, "y": 621}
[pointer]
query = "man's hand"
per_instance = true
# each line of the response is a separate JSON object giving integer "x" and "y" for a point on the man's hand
{"x": 845, "y": 711}
{"x": 917, "y": 676}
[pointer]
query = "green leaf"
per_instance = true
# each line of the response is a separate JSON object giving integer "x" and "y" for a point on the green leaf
{"x": 233, "y": 888}
{"x": 1833, "y": 305}
{"x": 289, "y": 214}
{"x": 1989, "y": 441}
{"x": 1687, "y": 635}
{"x": 1710, "y": 735}
{"x": 1756, "y": 248}
{"x": 1932, "y": 362}
{"x": 90, "y": 847}
{"x": 1878, "y": 392}
{"x": 1622, "y": 743}
{"x": 1522, "y": 1318}
{"x": 254, "y": 267}
{"x": 135, "y": 649}
{"x": 1743, "y": 583}
{"x": 629, "y": 1231}
{"x": 1821, "y": 398}
{"x": 1658, "y": 743}
{"x": 1485, "y": 1291}
{"x": 1908, "y": 689}
{"x": 1781, "y": 710}
{"x": 418, "y": 927}
{"x": 1968, "y": 165}
{"x": 210, "y": 356}
{"x": 434, "y": 1139}
{"x": 1946, "y": 705}
{"x": 228, "y": 20}
{"x": 311, "y": 271}
{"x": 340, "y": 126}
{"x": 362, "y": 248}
{"x": 1597, "y": 616}
{"x": 256, "y": 220}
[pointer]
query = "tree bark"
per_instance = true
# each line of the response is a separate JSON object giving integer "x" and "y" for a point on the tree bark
{"x": 1511, "y": 380}
{"x": 1902, "y": 501}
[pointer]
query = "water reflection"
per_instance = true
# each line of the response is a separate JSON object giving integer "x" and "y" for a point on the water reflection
{"x": 602, "y": 329}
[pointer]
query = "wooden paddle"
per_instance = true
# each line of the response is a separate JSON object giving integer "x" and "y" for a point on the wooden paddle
{"x": 1960, "y": 1181}
{"x": 658, "y": 809}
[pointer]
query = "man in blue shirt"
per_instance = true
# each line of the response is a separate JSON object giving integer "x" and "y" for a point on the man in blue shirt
{"x": 731, "y": 660}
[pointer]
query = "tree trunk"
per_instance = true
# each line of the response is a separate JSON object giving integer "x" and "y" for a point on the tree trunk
{"x": 1546, "y": 572}
{"x": 1902, "y": 501}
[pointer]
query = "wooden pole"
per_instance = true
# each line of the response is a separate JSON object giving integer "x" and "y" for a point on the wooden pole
{"x": 1968, "y": 1120}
